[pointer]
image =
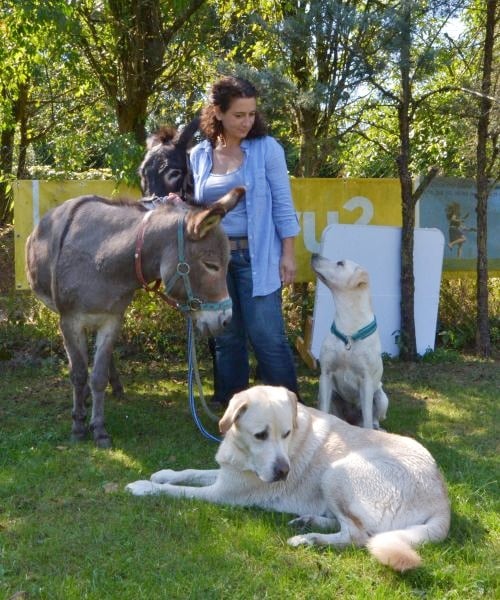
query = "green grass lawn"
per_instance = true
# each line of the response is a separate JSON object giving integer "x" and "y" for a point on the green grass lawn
{"x": 68, "y": 530}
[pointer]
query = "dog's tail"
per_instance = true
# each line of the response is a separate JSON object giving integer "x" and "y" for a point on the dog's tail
{"x": 395, "y": 548}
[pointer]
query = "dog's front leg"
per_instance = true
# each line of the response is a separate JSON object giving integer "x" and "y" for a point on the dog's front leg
{"x": 187, "y": 476}
{"x": 210, "y": 493}
{"x": 366, "y": 400}
{"x": 307, "y": 522}
{"x": 341, "y": 539}
{"x": 325, "y": 392}
{"x": 381, "y": 403}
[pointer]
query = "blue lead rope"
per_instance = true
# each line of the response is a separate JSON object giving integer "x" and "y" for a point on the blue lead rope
{"x": 192, "y": 367}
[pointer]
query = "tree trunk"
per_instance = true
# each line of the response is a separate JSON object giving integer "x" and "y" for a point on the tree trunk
{"x": 483, "y": 341}
{"x": 308, "y": 163}
{"x": 22, "y": 118}
{"x": 6, "y": 163}
{"x": 407, "y": 340}
{"x": 136, "y": 58}
{"x": 6, "y": 159}
{"x": 131, "y": 116}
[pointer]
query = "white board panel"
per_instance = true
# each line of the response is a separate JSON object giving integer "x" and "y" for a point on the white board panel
{"x": 378, "y": 249}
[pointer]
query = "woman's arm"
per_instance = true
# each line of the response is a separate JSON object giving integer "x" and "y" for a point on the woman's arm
{"x": 283, "y": 210}
{"x": 288, "y": 267}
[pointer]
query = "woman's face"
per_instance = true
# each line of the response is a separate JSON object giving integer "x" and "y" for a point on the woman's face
{"x": 238, "y": 118}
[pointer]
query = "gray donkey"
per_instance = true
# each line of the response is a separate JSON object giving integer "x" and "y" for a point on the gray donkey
{"x": 86, "y": 258}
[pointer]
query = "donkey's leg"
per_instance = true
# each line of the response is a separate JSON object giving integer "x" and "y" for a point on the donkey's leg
{"x": 114, "y": 379}
{"x": 75, "y": 343}
{"x": 106, "y": 337}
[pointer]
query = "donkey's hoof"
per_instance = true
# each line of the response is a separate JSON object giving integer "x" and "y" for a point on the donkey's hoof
{"x": 118, "y": 392}
{"x": 101, "y": 437}
{"x": 103, "y": 441}
{"x": 80, "y": 435}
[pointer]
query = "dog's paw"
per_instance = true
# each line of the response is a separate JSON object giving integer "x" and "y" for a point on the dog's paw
{"x": 163, "y": 476}
{"x": 307, "y": 523}
{"x": 141, "y": 488}
{"x": 303, "y": 523}
{"x": 308, "y": 539}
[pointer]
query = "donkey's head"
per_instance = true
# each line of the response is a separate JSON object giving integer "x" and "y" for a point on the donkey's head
{"x": 198, "y": 283}
{"x": 165, "y": 167}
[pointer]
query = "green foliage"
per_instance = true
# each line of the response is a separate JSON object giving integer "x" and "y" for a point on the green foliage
{"x": 29, "y": 332}
{"x": 320, "y": 69}
{"x": 298, "y": 304}
{"x": 153, "y": 329}
{"x": 458, "y": 314}
{"x": 123, "y": 156}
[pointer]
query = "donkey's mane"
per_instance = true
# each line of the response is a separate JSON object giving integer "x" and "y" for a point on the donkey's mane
{"x": 124, "y": 202}
{"x": 164, "y": 135}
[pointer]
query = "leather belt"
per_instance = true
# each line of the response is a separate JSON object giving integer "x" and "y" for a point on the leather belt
{"x": 238, "y": 243}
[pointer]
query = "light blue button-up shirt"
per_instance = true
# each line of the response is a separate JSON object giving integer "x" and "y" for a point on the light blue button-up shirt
{"x": 270, "y": 210}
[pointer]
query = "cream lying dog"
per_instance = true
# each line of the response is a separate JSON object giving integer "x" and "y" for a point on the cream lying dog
{"x": 350, "y": 356}
{"x": 379, "y": 490}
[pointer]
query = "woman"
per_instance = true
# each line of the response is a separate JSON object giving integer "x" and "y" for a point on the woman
{"x": 261, "y": 230}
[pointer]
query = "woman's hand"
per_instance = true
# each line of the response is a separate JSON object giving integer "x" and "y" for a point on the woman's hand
{"x": 174, "y": 199}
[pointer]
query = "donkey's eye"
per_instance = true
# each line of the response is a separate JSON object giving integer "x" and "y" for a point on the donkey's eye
{"x": 212, "y": 266}
{"x": 285, "y": 435}
{"x": 262, "y": 435}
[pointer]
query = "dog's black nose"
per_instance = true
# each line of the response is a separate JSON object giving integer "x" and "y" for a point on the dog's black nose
{"x": 280, "y": 471}
{"x": 340, "y": 263}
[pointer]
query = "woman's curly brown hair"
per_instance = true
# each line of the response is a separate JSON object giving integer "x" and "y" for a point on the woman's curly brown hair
{"x": 223, "y": 92}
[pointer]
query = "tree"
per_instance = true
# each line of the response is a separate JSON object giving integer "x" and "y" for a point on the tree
{"x": 487, "y": 170}
{"x": 28, "y": 41}
{"x": 319, "y": 58}
{"x": 125, "y": 43}
{"x": 410, "y": 45}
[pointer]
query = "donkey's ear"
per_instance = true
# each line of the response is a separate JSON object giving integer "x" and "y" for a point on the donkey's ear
{"x": 230, "y": 200}
{"x": 184, "y": 138}
{"x": 237, "y": 406}
{"x": 199, "y": 222}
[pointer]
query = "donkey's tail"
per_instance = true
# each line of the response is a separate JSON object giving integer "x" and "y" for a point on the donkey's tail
{"x": 395, "y": 548}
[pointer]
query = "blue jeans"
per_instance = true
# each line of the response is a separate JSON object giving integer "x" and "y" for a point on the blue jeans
{"x": 258, "y": 321}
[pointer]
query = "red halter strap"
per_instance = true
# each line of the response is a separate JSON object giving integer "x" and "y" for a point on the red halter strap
{"x": 154, "y": 288}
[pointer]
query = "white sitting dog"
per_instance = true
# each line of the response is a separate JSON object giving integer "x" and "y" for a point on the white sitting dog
{"x": 350, "y": 357}
{"x": 378, "y": 490}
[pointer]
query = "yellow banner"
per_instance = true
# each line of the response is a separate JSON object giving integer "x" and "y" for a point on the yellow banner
{"x": 322, "y": 202}
{"x": 319, "y": 202}
{"x": 33, "y": 198}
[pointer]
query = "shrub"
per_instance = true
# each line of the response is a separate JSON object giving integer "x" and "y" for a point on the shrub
{"x": 458, "y": 313}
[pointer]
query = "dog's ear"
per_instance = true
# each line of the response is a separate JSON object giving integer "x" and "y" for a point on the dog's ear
{"x": 237, "y": 406}
{"x": 293, "y": 400}
{"x": 360, "y": 278}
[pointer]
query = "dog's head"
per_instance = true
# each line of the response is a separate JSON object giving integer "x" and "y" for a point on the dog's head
{"x": 340, "y": 275}
{"x": 258, "y": 425}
